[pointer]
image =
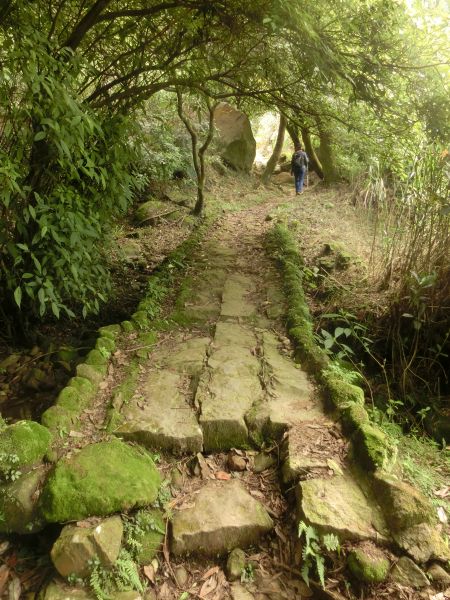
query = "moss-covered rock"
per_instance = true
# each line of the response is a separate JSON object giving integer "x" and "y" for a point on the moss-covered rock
{"x": 93, "y": 373}
{"x": 95, "y": 357}
{"x": 373, "y": 448}
{"x": 101, "y": 479}
{"x": 368, "y": 563}
{"x": 140, "y": 320}
{"x": 127, "y": 326}
{"x": 403, "y": 505}
{"x": 105, "y": 345}
{"x": 59, "y": 419}
{"x": 19, "y": 510}
{"x": 341, "y": 393}
{"x": 22, "y": 444}
{"x": 407, "y": 573}
{"x": 110, "y": 331}
{"x": 306, "y": 350}
{"x": 353, "y": 416}
{"x": 83, "y": 386}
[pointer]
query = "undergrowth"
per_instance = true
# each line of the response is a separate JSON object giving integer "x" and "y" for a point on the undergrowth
{"x": 423, "y": 462}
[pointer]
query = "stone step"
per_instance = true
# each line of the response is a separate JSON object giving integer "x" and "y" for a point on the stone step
{"x": 236, "y": 300}
{"x": 160, "y": 415}
{"x": 291, "y": 397}
{"x": 338, "y": 505}
{"x": 229, "y": 387}
{"x": 162, "y": 418}
{"x": 223, "y": 516}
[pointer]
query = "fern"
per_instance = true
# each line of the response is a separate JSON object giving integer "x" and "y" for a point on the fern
{"x": 312, "y": 553}
{"x": 126, "y": 573}
{"x": 331, "y": 543}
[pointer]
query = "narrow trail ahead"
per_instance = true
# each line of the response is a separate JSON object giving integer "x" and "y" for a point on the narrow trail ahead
{"x": 222, "y": 384}
{"x": 245, "y": 449}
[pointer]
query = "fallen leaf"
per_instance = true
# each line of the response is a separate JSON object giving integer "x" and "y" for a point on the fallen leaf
{"x": 334, "y": 466}
{"x": 442, "y": 515}
{"x": 208, "y": 587}
{"x": 149, "y": 572}
{"x": 443, "y": 492}
{"x": 209, "y": 572}
{"x": 76, "y": 434}
{"x": 4, "y": 574}
{"x": 14, "y": 589}
{"x": 103, "y": 385}
{"x": 222, "y": 476}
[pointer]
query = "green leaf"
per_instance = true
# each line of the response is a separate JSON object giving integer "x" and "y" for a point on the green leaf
{"x": 55, "y": 310}
{"x": 18, "y": 296}
{"x": 39, "y": 136}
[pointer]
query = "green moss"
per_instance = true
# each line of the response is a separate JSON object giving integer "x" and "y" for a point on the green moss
{"x": 58, "y": 419}
{"x": 22, "y": 444}
{"x": 310, "y": 355}
{"x": 140, "y": 320}
{"x": 93, "y": 373}
{"x": 147, "y": 339}
{"x": 69, "y": 399}
{"x": 373, "y": 447}
{"x": 105, "y": 345}
{"x": 110, "y": 331}
{"x": 101, "y": 479}
{"x": 403, "y": 506}
{"x": 353, "y": 416}
{"x": 341, "y": 393}
{"x": 127, "y": 326}
{"x": 369, "y": 566}
{"x": 95, "y": 357}
{"x": 83, "y": 385}
{"x": 114, "y": 420}
{"x": 148, "y": 530}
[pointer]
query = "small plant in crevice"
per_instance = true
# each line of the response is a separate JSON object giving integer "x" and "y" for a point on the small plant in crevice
{"x": 122, "y": 576}
{"x": 315, "y": 545}
{"x": 248, "y": 573}
{"x": 136, "y": 528}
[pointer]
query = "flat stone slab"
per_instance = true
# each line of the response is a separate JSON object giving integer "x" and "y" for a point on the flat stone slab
{"x": 187, "y": 356}
{"x": 292, "y": 398}
{"x": 162, "y": 418}
{"x": 228, "y": 388}
{"x": 224, "y": 516}
{"x": 338, "y": 505}
{"x": 235, "y": 298}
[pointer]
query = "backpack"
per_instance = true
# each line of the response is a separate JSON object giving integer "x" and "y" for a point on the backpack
{"x": 299, "y": 160}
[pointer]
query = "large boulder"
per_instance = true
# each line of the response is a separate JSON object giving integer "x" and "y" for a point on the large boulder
{"x": 238, "y": 146}
{"x": 101, "y": 479}
{"x": 77, "y": 547}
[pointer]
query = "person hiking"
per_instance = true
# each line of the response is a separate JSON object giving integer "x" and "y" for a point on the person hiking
{"x": 299, "y": 168}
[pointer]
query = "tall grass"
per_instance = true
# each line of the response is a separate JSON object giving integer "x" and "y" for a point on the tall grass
{"x": 411, "y": 260}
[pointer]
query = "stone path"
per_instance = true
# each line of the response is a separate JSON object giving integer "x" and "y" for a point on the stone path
{"x": 224, "y": 379}
{"x": 228, "y": 381}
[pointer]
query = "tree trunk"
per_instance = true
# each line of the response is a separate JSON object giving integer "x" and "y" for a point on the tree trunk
{"x": 293, "y": 132}
{"x": 314, "y": 161}
{"x": 198, "y": 154}
{"x": 330, "y": 173}
{"x": 271, "y": 163}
